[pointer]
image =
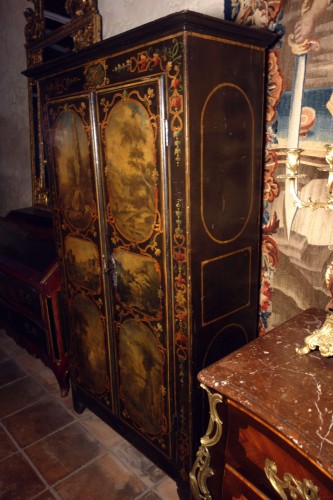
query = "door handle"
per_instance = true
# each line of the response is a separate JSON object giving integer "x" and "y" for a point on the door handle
{"x": 109, "y": 267}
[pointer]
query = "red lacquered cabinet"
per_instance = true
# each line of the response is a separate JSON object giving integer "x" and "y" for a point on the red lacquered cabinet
{"x": 30, "y": 292}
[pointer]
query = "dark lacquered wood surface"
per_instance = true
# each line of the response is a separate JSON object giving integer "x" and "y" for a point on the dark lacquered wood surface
{"x": 166, "y": 288}
{"x": 30, "y": 299}
{"x": 290, "y": 392}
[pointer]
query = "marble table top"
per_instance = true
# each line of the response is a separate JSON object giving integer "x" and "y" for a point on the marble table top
{"x": 292, "y": 393}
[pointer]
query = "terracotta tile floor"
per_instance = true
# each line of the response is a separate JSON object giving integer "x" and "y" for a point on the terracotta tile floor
{"x": 48, "y": 451}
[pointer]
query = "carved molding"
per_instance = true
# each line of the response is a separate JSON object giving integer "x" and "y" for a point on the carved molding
{"x": 34, "y": 57}
{"x": 34, "y": 29}
{"x": 77, "y": 8}
{"x": 88, "y": 34}
{"x": 85, "y": 28}
{"x": 201, "y": 470}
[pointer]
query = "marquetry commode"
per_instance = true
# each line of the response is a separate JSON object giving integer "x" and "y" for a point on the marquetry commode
{"x": 270, "y": 433}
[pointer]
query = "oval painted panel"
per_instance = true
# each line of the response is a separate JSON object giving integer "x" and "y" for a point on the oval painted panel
{"x": 141, "y": 369}
{"x": 89, "y": 344}
{"x": 131, "y": 169}
{"x": 226, "y": 163}
{"x": 71, "y": 151}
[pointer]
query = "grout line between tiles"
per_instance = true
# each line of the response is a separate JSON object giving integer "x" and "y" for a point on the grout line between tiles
{"x": 25, "y": 456}
{"x": 79, "y": 469}
{"x": 150, "y": 486}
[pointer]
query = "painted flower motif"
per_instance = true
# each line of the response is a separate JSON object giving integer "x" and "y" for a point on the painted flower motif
{"x": 275, "y": 85}
{"x": 175, "y": 82}
{"x": 265, "y": 296}
{"x": 181, "y": 338}
{"x": 269, "y": 262}
{"x": 251, "y": 12}
{"x": 181, "y": 316}
{"x": 258, "y": 13}
{"x": 274, "y": 8}
{"x": 180, "y": 256}
{"x": 260, "y": 18}
{"x": 180, "y": 298}
{"x": 265, "y": 213}
{"x": 270, "y": 222}
{"x": 156, "y": 59}
{"x": 263, "y": 322}
{"x": 270, "y": 253}
{"x": 271, "y": 188}
{"x": 265, "y": 301}
{"x": 271, "y": 134}
{"x": 176, "y": 101}
{"x": 143, "y": 62}
{"x": 159, "y": 328}
{"x": 180, "y": 280}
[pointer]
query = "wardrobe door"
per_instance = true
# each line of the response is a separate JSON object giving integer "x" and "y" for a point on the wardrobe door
{"x": 76, "y": 214}
{"x": 135, "y": 187}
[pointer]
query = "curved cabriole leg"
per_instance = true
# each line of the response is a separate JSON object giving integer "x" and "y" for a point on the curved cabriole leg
{"x": 201, "y": 470}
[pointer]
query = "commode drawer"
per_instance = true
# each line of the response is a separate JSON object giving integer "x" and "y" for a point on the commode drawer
{"x": 30, "y": 331}
{"x": 20, "y": 294}
{"x": 252, "y": 445}
{"x": 236, "y": 487}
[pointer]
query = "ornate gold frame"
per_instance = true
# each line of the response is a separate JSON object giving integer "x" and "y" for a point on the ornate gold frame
{"x": 85, "y": 28}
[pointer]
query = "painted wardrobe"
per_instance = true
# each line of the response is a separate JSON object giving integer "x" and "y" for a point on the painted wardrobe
{"x": 154, "y": 139}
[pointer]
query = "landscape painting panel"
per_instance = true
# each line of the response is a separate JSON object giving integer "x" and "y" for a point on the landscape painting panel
{"x": 71, "y": 150}
{"x": 131, "y": 169}
{"x": 138, "y": 282}
{"x": 141, "y": 365}
{"x": 89, "y": 340}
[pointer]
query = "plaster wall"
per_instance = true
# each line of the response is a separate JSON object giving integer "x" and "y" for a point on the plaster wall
{"x": 15, "y": 173}
{"x": 118, "y": 16}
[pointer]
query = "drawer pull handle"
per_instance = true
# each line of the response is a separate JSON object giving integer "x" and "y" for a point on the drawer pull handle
{"x": 297, "y": 489}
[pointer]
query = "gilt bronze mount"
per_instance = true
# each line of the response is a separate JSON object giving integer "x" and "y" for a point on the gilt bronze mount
{"x": 201, "y": 470}
{"x": 297, "y": 489}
